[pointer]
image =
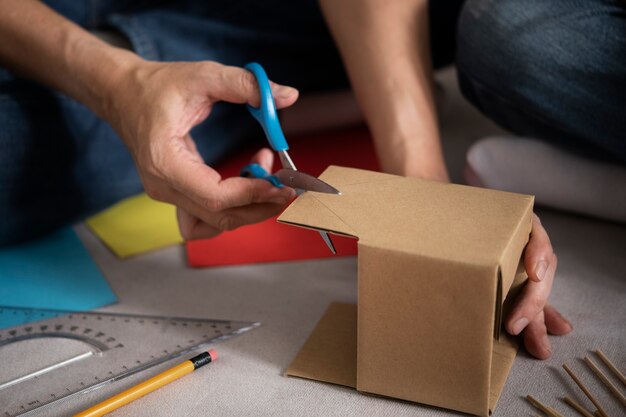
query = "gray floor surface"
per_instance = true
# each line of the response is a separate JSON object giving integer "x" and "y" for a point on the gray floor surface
{"x": 289, "y": 298}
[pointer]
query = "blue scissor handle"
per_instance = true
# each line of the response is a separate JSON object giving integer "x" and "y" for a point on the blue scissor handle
{"x": 266, "y": 114}
{"x": 257, "y": 171}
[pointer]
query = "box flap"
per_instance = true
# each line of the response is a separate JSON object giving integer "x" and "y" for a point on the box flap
{"x": 314, "y": 214}
{"x": 329, "y": 354}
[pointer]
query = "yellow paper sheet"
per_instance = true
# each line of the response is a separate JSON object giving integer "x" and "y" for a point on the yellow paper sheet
{"x": 136, "y": 225}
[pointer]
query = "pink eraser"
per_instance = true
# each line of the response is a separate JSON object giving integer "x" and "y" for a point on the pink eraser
{"x": 213, "y": 354}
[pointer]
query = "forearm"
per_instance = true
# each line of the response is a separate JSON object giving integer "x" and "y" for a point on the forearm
{"x": 42, "y": 45}
{"x": 385, "y": 49}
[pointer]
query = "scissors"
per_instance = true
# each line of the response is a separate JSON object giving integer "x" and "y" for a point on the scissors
{"x": 288, "y": 175}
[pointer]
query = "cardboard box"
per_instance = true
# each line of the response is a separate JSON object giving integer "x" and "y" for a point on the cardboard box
{"x": 435, "y": 264}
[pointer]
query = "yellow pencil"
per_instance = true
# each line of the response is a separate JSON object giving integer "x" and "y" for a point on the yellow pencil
{"x": 149, "y": 385}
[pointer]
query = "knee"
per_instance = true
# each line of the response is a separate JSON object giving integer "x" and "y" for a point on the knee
{"x": 510, "y": 46}
{"x": 560, "y": 63}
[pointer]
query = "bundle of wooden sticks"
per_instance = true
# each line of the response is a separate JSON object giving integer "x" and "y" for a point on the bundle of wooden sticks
{"x": 580, "y": 409}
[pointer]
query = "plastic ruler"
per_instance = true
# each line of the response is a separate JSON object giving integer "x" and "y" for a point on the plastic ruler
{"x": 97, "y": 349}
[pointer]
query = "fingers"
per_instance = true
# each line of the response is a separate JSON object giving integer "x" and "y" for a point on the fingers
{"x": 532, "y": 300}
{"x": 195, "y": 223}
{"x": 233, "y": 218}
{"x": 531, "y": 313}
{"x": 185, "y": 171}
{"x": 538, "y": 252}
{"x": 238, "y": 192}
{"x": 238, "y": 85}
{"x": 227, "y": 205}
{"x": 265, "y": 158}
{"x": 555, "y": 322}
{"x": 209, "y": 204}
{"x": 191, "y": 227}
{"x": 536, "y": 338}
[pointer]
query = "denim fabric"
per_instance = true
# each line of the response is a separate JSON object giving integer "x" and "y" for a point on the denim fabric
{"x": 59, "y": 162}
{"x": 552, "y": 70}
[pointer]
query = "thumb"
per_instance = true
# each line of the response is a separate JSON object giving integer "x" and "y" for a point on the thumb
{"x": 238, "y": 85}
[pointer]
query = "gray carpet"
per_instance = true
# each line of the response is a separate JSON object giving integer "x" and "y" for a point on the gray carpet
{"x": 289, "y": 298}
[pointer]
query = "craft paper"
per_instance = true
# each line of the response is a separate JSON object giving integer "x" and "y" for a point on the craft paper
{"x": 55, "y": 272}
{"x": 271, "y": 242}
{"x": 435, "y": 264}
{"x": 136, "y": 225}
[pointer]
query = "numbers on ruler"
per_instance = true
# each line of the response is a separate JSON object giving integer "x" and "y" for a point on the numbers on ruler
{"x": 83, "y": 326}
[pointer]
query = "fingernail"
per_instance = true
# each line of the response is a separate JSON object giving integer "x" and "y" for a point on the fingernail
{"x": 540, "y": 270}
{"x": 282, "y": 91}
{"x": 519, "y": 325}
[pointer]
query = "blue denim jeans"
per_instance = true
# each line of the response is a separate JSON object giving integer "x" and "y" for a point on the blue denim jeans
{"x": 553, "y": 70}
{"x": 59, "y": 162}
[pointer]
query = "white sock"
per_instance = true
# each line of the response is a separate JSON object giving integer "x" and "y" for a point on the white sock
{"x": 557, "y": 178}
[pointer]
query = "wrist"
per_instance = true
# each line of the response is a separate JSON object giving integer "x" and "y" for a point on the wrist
{"x": 98, "y": 70}
{"x": 122, "y": 67}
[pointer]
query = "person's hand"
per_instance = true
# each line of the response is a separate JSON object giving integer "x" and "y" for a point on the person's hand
{"x": 532, "y": 314}
{"x": 154, "y": 105}
{"x": 193, "y": 227}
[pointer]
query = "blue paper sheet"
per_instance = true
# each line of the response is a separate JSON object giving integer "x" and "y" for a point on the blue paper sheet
{"x": 55, "y": 272}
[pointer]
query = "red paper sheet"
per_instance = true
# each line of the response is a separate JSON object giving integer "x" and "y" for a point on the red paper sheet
{"x": 270, "y": 241}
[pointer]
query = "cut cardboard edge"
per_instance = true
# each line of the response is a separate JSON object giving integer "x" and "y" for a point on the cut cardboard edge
{"x": 319, "y": 229}
{"x": 353, "y": 176}
{"x": 330, "y": 353}
{"x": 505, "y": 347}
{"x": 325, "y": 218}
{"x": 503, "y": 355}
{"x": 509, "y": 270}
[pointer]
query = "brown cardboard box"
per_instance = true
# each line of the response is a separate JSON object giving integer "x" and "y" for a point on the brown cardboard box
{"x": 435, "y": 264}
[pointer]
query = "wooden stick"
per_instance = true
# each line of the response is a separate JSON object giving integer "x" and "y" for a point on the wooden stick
{"x": 540, "y": 406}
{"x": 612, "y": 367}
{"x": 556, "y": 413}
{"x": 581, "y": 410}
{"x": 585, "y": 390}
{"x": 616, "y": 392}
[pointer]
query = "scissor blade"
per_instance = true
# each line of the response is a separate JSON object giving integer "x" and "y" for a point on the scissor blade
{"x": 285, "y": 160}
{"x": 301, "y": 180}
{"x": 328, "y": 242}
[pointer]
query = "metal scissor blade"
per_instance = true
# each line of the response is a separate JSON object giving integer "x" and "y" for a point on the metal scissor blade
{"x": 285, "y": 160}
{"x": 328, "y": 242}
{"x": 303, "y": 181}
